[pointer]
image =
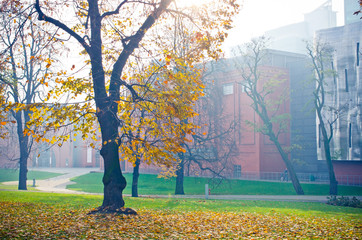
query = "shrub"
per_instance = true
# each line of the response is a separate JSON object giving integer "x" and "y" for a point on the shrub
{"x": 344, "y": 201}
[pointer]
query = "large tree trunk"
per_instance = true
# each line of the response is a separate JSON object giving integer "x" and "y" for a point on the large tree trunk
{"x": 136, "y": 175}
{"x": 180, "y": 177}
{"x": 113, "y": 180}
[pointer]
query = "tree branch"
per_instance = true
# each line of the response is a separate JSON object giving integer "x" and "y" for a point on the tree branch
{"x": 43, "y": 17}
{"x": 116, "y": 11}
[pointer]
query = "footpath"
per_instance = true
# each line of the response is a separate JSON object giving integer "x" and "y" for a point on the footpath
{"x": 58, "y": 185}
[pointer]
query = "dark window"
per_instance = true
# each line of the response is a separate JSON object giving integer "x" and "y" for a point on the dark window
{"x": 350, "y": 135}
{"x": 346, "y": 78}
{"x": 357, "y": 53}
{"x": 237, "y": 171}
{"x": 319, "y": 136}
{"x": 334, "y": 75}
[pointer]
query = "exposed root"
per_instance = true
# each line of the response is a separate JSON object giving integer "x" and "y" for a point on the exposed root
{"x": 113, "y": 210}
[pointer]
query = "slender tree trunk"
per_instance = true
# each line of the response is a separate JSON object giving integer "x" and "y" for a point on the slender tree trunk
{"x": 180, "y": 177}
{"x": 24, "y": 152}
{"x": 333, "y": 184}
{"x": 291, "y": 172}
{"x": 23, "y": 170}
{"x": 23, "y": 163}
{"x": 136, "y": 175}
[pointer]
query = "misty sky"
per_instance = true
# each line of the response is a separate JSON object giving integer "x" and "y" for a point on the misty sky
{"x": 258, "y": 16}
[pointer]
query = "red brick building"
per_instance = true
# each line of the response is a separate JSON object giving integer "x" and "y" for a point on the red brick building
{"x": 256, "y": 153}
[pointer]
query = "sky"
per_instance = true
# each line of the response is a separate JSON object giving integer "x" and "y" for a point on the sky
{"x": 258, "y": 16}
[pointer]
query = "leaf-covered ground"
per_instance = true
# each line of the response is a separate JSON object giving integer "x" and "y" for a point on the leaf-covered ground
{"x": 21, "y": 220}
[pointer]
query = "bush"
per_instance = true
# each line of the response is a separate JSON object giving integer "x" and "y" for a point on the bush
{"x": 344, "y": 201}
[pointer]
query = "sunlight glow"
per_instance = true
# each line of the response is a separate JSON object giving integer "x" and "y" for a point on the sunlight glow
{"x": 191, "y": 3}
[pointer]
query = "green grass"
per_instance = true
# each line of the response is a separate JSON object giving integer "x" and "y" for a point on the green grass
{"x": 40, "y": 215}
{"x": 76, "y": 201}
{"x": 151, "y": 185}
{"x": 13, "y": 175}
{"x": 15, "y": 187}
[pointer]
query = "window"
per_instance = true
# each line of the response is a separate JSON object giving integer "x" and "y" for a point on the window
{"x": 319, "y": 135}
{"x": 346, "y": 78}
{"x": 89, "y": 155}
{"x": 350, "y": 135}
{"x": 357, "y": 53}
{"x": 334, "y": 75}
{"x": 228, "y": 89}
{"x": 237, "y": 171}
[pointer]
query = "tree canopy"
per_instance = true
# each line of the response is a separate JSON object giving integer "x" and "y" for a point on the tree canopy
{"x": 123, "y": 45}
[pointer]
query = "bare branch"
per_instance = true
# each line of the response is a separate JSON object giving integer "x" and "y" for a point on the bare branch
{"x": 43, "y": 17}
{"x": 116, "y": 11}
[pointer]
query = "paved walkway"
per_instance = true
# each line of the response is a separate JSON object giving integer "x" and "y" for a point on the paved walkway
{"x": 293, "y": 198}
{"x": 58, "y": 185}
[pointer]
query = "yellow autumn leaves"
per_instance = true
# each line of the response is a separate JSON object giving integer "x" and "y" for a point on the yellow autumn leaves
{"x": 41, "y": 221}
{"x": 156, "y": 126}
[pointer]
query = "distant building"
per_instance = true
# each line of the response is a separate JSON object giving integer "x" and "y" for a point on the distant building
{"x": 346, "y": 95}
{"x": 74, "y": 153}
{"x": 291, "y": 38}
{"x": 256, "y": 153}
{"x": 350, "y": 7}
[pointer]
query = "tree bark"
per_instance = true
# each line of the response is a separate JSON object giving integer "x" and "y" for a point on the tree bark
{"x": 291, "y": 172}
{"x": 333, "y": 184}
{"x": 113, "y": 180}
{"x": 24, "y": 152}
{"x": 136, "y": 175}
{"x": 106, "y": 101}
{"x": 179, "y": 190}
{"x": 23, "y": 171}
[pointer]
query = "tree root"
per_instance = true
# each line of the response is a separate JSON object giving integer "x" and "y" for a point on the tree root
{"x": 113, "y": 210}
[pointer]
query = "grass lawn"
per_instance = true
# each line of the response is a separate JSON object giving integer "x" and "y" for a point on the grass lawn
{"x": 15, "y": 187}
{"x": 151, "y": 185}
{"x": 13, "y": 175}
{"x": 37, "y": 215}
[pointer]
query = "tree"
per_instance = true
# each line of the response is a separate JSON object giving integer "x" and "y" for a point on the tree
{"x": 360, "y": 9}
{"x": 3, "y": 116}
{"x": 267, "y": 96}
{"x": 321, "y": 55}
{"x": 183, "y": 49}
{"x": 186, "y": 44}
{"x": 112, "y": 34}
{"x": 153, "y": 133}
{"x": 211, "y": 147}
{"x": 26, "y": 50}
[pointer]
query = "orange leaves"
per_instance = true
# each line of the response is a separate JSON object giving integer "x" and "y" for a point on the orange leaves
{"x": 168, "y": 59}
{"x": 48, "y": 61}
{"x": 156, "y": 127}
{"x": 42, "y": 221}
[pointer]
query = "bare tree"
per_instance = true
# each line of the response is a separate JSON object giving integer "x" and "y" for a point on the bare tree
{"x": 321, "y": 56}
{"x": 25, "y": 46}
{"x": 211, "y": 148}
{"x": 267, "y": 96}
